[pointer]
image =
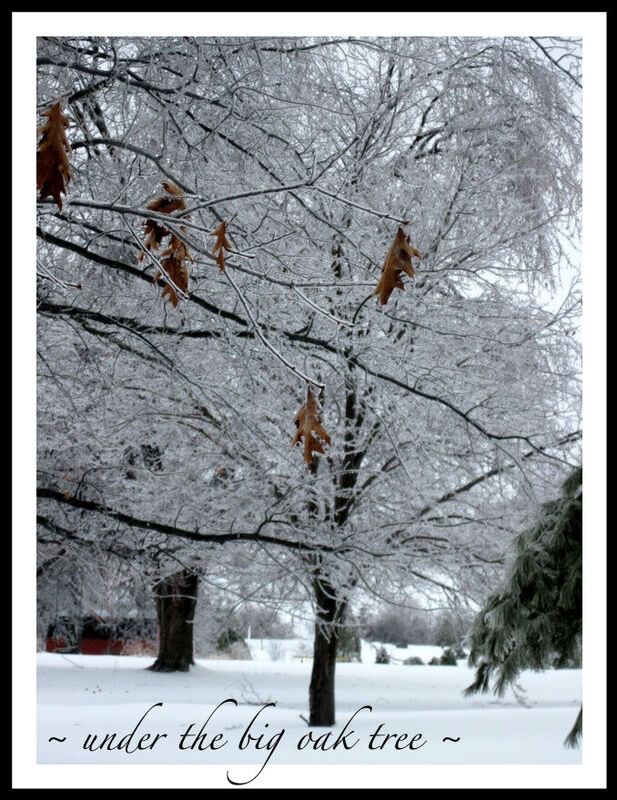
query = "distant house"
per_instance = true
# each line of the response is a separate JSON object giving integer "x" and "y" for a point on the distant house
{"x": 93, "y": 636}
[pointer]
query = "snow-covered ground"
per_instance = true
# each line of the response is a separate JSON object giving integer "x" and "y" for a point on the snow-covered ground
{"x": 84, "y": 696}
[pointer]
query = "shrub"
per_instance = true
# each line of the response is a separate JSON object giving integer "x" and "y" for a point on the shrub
{"x": 413, "y": 661}
{"x": 275, "y": 650}
{"x": 382, "y": 657}
{"x": 227, "y": 637}
{"x": 239, "y": 651}
{"x": 448, "y": 658}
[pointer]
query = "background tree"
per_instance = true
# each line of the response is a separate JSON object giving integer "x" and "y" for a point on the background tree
{"x": 176, "y": 598}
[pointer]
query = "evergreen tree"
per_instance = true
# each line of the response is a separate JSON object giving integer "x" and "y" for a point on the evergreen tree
{"x": 349, "y": 644}
{"x": 534, "y": 621}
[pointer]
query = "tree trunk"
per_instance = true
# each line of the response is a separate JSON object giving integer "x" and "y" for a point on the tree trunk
{"x": 176, "y": 598}
{"x": 321, "y": 692}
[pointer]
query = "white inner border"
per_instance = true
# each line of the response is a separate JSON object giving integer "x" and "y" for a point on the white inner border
{"x": 26, "y": 27}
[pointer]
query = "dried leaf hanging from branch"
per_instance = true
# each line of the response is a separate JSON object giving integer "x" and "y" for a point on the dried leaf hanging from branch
{"x": 307, "y": 425}
{"x": 398, "y": 260}
{"x": 155, "y": 232}
{"x": 174, "y": 261}
{"x": 175, "y": 258}
{"x": 53, "y": 171}
{"x": 222, "y": 243}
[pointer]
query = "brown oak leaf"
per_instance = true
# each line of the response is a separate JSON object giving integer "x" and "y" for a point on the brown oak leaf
{"x": 307, "y": 425}
{"x": 53, "y": 171}
{"x": 222, "y": 243}
{"x": 155, "y": 232}
{"x": 174, "y": 261}
{"x": 398, "y": 260}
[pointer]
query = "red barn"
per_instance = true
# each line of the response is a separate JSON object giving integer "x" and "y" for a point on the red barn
{"x": 96, "y": 637}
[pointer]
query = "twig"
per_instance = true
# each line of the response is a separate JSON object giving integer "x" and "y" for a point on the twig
{"x": 322, "y": 311}
{"x": 267, "y": 344}
{"x": 346, "y": 201}
{"x": 79, "y": 666}
{"x": 45, "y": 274}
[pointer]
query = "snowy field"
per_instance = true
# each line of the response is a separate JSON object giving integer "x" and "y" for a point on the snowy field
{"x": 80, "y": 697}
